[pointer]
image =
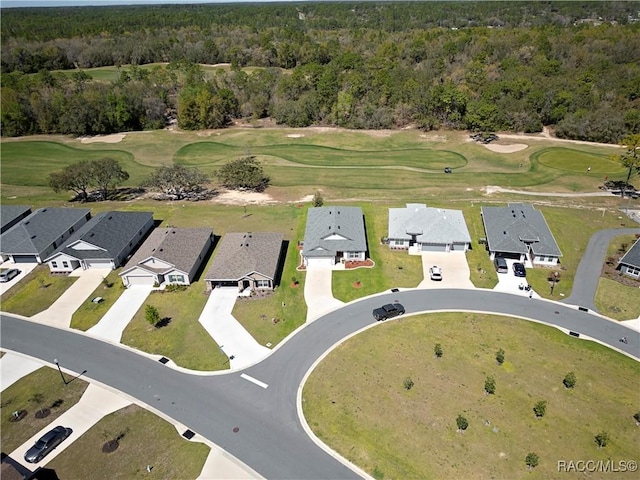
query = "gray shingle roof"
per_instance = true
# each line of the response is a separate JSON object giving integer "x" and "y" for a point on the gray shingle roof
{"x": 632, "y": 257}
{"x": 9, "y": 214}
{"x": 40, "y": 229}
{"x": 110, "y": 231}
{"x": 240, "y": 254}
{"x": 510, "y": 228}
{"x": 334, "y": 229}
{"x": 430, "y": 225}
{"x": 179, "y": 247}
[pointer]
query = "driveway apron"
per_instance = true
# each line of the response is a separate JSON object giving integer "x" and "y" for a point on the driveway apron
{"x": 318, "y": 293}
{"x": 455, "y": 270}
{"x": 509, "y": 283}
{"x": 94, "y": 404}
{"x": 113, "y": 323}
{"x": 59, "y": 314}
{"x": 13, "y": 367}
{"x": 227, "y": 332}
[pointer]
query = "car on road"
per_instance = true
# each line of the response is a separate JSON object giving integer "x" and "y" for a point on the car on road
{"x": 435, "y": 273}
{"x": 388, "y": 311}
{"x": 47, "y": 443}
{"x": 8, "y": 274}
{"x": 518, "y": 270}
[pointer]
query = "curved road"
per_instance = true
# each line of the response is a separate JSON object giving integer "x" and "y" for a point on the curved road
{"x": 584, "y": 291}
{"x": 270, "y": 437}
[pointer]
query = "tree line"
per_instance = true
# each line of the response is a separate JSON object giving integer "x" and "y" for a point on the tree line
{"x": 534, "y": 69}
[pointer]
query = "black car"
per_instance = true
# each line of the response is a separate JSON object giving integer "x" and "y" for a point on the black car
{"x": 388, "y": 311}
{"x": 47, "y": 443}
{"x": 518, "y": 270}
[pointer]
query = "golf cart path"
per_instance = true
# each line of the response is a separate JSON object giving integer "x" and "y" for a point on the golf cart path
{"x": 491, "y": 189}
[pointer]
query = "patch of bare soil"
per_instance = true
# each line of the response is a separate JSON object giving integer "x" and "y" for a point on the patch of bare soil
{"x": 233, "y": 197}
{"x": 516, "y": 147}
{"x": 115, "y": 138}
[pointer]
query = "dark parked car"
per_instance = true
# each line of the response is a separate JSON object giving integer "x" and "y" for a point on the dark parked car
{"x": 47, "y": 443}
{"x": 518, "y": 270}
{"x": 387, "y": 311}
{"x": 7, "y": 275}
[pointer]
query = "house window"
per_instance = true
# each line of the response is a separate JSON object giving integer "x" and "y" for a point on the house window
{"x": 633, "y": 271}
{"x": 400, "y": 243}
{"x": 353, "y": 254}
{"x": 54, "y": 264}
{"x": 262, "y": 284}
{"x": 176, "y": 278}
{"x": 65, "y": 264}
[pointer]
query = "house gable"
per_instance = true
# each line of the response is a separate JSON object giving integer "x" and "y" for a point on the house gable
{"x": 156, "y": 263}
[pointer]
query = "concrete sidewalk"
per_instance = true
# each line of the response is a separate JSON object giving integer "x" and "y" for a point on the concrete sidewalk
{"x": 13, "y": 367}
{"x": 59, "y": 314}
{"x": 318, "y": 293}
{"x": 227, "y": 332}
{"x": 113, "y": 323}
{"x": 94, "y": 404}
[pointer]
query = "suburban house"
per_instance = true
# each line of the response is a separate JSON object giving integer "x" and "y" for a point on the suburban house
{"x": 168, "y": 256}
{"x": 519, "y": 231}
{"x": 427, "y": 229}
{"x": 248, "y": 261}
{"x": 12, "y": 214}
{"x": 105, "y": 241}
{"x": 34, "y": 238}
{"x": 629, "y": 264}
{"x": 334, "y": 235}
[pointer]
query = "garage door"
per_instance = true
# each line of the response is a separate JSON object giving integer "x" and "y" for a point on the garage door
{"x": 432, "y": 247}
{"x": 321, "y": 261}
{"x": 140, "y": 280}
{"x": 25, "y": 259}
{"x": 459, "y": 247}
{"x": 99, "y": 264}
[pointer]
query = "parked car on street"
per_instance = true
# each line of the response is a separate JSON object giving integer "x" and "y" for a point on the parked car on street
{"x": 519, "y": 270}
{"x": 435, "y": 273}
{"x": 388, "y": 311}
{"x": 8, "y": 274}
{"x": 47, "y": 443}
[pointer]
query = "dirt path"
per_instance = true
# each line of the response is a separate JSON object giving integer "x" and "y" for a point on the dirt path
{"x": 490, "y": 189}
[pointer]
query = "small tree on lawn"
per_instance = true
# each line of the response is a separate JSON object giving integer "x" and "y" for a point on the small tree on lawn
{"x": 569, "y": 380}
{"x": 490, "y": 386}
{"x": 438, "y": 350}
{"x": 318, "y": 200}
{"x": 500, "y": 356}
{"x": 636, "y": 417}
{"x": 531, "y": 460}
{"x": 151, "y": 314}
{"x": 408, "y": 383}
{"x": 462, "y": 423}
{"x": 540, "y": 408}
{"x": 602, "y": 439}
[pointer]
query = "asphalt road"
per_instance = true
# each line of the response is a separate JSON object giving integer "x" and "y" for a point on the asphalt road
{"x": 269, "y": 435}
{"x": 588, "y": 272}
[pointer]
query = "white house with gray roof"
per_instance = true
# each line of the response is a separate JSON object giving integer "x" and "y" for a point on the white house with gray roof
{"x": 334, "y": 235}
{"x": 519, "y": 231}
{"x": 427, "y": 229}
{"x": 37, "y": 236}
{"x": 169, "y": 256}
{"x": 249, "y": 261}
{"x": 629, "y": 264}
{"x": 105, "y": 241}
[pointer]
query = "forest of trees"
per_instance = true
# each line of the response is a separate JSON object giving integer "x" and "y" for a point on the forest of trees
{"x": 486, "y": 66}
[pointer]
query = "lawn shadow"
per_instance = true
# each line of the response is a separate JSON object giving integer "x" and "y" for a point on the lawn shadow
{"x": 163, "y": 322}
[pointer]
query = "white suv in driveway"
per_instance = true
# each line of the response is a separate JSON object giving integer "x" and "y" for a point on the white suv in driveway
{"x": 6, "y": 275}
{"x": 435, "y": 273}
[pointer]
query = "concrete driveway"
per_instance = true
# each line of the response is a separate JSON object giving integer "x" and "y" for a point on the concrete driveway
{"x": 227, "y": 332}
{"x": 13, "y": 367}
{"x": 113, "y": 323}
{"x": 454, "y": 266}
{"x": 318, "y": 293}
{"x": 94, "y": 404}
{"x": 25, "y": 269}
{"x": 509, "y": 283}
{"x": 59, "y": 314}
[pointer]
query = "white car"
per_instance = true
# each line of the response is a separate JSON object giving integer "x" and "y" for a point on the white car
{"x": 435, "y": 273}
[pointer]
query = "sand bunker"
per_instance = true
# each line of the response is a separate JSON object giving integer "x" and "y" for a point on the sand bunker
{"x": 295, "y": 135}
{"x": 516, "y": 147}
{"x": 233, "y": 197}
{"x": 115, "y": 138}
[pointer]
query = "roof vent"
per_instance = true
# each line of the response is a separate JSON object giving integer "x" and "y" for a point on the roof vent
{"x": 110, "y": 217}
{"x": 44, "y": 210}
{"x": 33, "y": 236}
{"x": 27, "y": 222}
{"x": 505, "y": 232}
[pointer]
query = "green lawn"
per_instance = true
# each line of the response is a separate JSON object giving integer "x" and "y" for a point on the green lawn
{"x": 89, "y": 313}
{"x": 365, "y": 413}
{"x": 42, "y": 389}
{"x": 147, "y": 440}
{"x": 616, "y": 300}
{"x": 573, "y": 160}
{"x": 35, "y": 292}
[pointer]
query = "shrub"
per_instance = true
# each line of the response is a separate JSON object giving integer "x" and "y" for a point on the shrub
{"x": 500, "y": 356}
{"x": 540, "y": 408}
{"x": 569, "y": 380}
{"x": 531, "y": 460}
{"x": 151, "y": 315}
{"x": 408, "y": 383}
{"x": 438, "y": 350}
{"x": 490, "y": 385}
{"x": 636, "y": 416}
{"x": 602, "y": 439}
{"x": 318, "y": 200}
{"x": 462, "y": 423}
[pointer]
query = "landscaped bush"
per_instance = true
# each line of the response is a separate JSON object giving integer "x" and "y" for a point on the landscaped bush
{"x": 569, "y": 380}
